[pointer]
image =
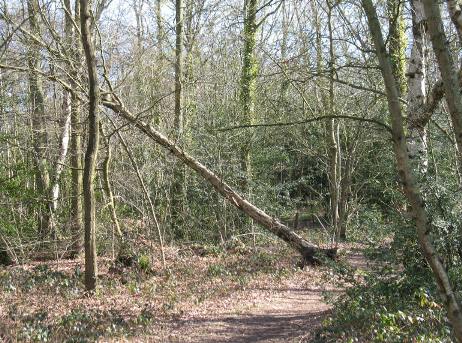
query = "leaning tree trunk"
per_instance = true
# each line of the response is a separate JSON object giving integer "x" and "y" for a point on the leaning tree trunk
{"x": 447, "y": 69}
{"x": 455, "y": 11}
{"x": 451, "y": 79}
{"x": 308, "y": 250}
{"x": 92, "y": 149}
{"x": 409, "y": 184}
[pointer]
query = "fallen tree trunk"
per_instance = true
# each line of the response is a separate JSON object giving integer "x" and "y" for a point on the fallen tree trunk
{"x": 310, "y": 252}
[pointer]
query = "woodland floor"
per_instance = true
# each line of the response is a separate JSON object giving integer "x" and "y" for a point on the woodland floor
{"x": 240, "y": 296}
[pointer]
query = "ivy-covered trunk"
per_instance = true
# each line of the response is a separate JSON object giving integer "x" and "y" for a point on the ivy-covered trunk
{"x": 248, "y": 86}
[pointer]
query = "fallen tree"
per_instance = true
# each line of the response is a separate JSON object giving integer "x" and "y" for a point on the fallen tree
{"x": 310, "y": 252}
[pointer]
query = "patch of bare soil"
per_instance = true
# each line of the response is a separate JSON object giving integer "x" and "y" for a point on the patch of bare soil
{"x": 290, "y": 310}
{"x": 284, "y": 314}
{"x": 242, "y": 297}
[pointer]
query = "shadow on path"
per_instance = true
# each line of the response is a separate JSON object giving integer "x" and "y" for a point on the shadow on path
{"x": 287, "y": 315}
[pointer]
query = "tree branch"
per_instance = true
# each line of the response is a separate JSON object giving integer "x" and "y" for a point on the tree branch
{"x": 306, "y": 121}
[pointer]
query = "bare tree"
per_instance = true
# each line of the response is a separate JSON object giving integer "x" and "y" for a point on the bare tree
{"x": 91, "y": 270}
{"x": 178, "y": 185}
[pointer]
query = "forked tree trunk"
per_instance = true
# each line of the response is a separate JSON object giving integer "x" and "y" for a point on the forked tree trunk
{"x": 407, "y": 178}
{"x": 345, "y": 190}
{"x": 308, "y": 250}
{"x": 92, "y": 149}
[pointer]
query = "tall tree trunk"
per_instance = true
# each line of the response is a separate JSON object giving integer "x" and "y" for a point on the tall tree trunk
{"x": 40, "y": 136}
{"x": 308, "y": 250}
{"x": 404, "y": 169}
{"x": 447, "y": 69}
{"x": 449, "y": 75}
{"x": 177, "y": 191}
{"x": 248, "y": 86}
{"x": 397, "y": 42}
{"x": 92, "y": 148}
{"x": 64, "y": 147}
{"x": 417, "y": 92}
{"x": 334, "y": 165}
{"x": 75, "y": 144}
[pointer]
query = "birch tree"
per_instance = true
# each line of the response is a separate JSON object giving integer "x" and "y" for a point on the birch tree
{"x": 405, "y": 171}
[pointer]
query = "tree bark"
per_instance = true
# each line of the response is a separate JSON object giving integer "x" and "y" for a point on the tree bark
{"x": 417, "y": 94}
{"x": 397, "y": 42}
{"x": 455, "y": 11}
{"x": 451, "y": 82}
{"x": 178, "y": 185}
{"x": 409, "y": 184}
{"x": 308, "y": 250}
{"x": 248, "y": 86}
{"x": 345, "y": 191}
{"x": 76, "y": 211}
{"x": 40, "y": 135}
{"x": 448, "y": 72}
{"x": 108, "y": 188}
{"x": 92, "y": 149}
{"x": 334, "y": 165}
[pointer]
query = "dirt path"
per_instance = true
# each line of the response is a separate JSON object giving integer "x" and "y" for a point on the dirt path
{"x": 290, "y": 312}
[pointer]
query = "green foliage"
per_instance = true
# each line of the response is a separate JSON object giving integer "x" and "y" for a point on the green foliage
{"x": 144, "y": 263}
{"x": 41, "y": 277}
{"x": 386, "y": 307}
{"x": 217, "y": 270}
{"x": 397, "y": 300}
{"x": 34, "y": 328}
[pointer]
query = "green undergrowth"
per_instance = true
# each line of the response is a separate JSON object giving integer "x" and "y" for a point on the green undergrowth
{"x": 386, "y": 303}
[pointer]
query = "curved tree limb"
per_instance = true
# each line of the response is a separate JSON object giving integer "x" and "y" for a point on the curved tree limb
{"x": 306, "y": 121}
